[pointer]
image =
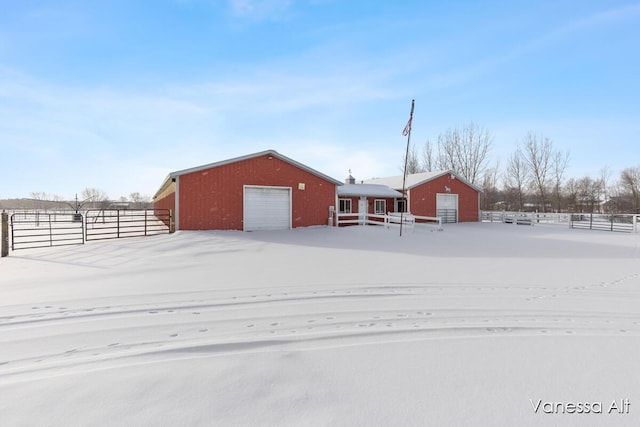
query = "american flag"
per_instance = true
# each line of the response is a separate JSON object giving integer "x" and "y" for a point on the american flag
{"x": 407, "y": 128}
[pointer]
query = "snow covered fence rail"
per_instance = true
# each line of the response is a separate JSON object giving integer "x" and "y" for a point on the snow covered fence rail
{"x": 410, "y": 220}
{"x": 621, "y": 222}
{"x": 608, "y": 222}
{"x": 525, "y": 218}
{"x": 391, "y": 219}
{"x": 39, "y": 229}
{"x": 360, "y": 219}
{"x": 102, "y": 224}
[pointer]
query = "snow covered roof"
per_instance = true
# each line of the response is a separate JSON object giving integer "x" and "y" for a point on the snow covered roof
{"x": 415, "y": 179}
{"x": 251, "y": 156}
{"x": 368, "y": 190}
{"x": 173, "y": 175}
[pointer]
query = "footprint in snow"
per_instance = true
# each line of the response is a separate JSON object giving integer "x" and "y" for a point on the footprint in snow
{"x": 203, "y": 330}
{"x": 275, "y": 324}
{"x": 251, "y": 325}
{"x": 173, "y": 335}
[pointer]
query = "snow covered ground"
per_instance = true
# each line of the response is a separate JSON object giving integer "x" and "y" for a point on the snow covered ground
{"x": 476, "y": 325}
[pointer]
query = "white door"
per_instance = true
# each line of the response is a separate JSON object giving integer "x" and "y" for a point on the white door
{"x": 363, "y": 206}
{"x": 447, "y": 207}
{"x": 267, "y": 208}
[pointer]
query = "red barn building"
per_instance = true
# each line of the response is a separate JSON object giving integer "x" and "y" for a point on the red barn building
{"x": 441, "y": 193}
{"x": 261, "y": 191}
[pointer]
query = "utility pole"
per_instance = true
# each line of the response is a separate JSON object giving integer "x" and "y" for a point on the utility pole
{"x": 406, "y": 132}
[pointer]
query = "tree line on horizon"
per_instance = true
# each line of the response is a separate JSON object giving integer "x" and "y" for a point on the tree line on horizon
{"x": 533, "y": 178}
{"x": 89, "y": 198}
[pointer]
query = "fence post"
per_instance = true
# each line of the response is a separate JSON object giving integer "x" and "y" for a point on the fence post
{"x": 172, "y": 222}
{"x": 5, "y": 234}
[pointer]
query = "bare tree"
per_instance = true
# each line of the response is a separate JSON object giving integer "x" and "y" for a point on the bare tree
{"x": 588, "y": 194}
{"x": 490, "y": 192}
{"x": 95, "y": 197}
{"x": 428, "y": 159}
{"x": 413, "y": 162}
{"x": 139, "y": 201}
{"x": 516, "y": 177}
{"x": 560, "y": 163}
{"x": 630, "y": 185}
{"x": 605, "y": 178}
{"x": 537, "y": 152}
{"x": 38, "y": 195}
{"x": 570, "y": 191}
{"x": 465, "y": 150}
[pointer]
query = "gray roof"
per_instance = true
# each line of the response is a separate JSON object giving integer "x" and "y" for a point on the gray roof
{"x": 368, "y": 190}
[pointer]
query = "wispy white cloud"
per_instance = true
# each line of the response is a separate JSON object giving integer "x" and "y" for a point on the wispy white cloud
{"x": 259, "y": 10}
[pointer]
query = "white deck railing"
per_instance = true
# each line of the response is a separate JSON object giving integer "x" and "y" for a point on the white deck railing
{"x": 390, "y": 219}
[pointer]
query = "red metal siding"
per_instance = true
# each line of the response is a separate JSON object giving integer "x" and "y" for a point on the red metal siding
{"x": 212, "y": 199}
{"x": 423, "y": 198}
{"x": 168, "y": 202}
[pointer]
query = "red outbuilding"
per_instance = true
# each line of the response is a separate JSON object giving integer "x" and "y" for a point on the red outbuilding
{"x": 261, "y": 191}
{"x": 441, "y": 193}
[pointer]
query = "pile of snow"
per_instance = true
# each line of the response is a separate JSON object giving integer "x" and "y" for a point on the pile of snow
{"x": 481, "y": 324}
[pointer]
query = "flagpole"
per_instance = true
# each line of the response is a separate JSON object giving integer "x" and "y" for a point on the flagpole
{"x": 407, "y": 133}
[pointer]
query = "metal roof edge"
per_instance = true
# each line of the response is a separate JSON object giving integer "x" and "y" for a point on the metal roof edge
{"x": 164, "y": 185}
{"x": 442, "y": 173}
{"x": 273, "y": 153}
{"x": 431, "y": 178}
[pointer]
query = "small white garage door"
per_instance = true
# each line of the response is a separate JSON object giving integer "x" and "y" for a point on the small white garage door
{"x": 447, "y": 207}
{"x": 267, "y": 208}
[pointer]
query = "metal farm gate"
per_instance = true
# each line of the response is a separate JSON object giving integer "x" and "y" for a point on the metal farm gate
{"x": 44, "y": 229}
{"x": 102, "y": 224}
{"x": 39, "y": 229}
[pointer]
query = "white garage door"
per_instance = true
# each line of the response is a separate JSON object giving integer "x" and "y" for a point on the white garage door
{"x": 267, "y": 208}
{"x": 447, "y": 207}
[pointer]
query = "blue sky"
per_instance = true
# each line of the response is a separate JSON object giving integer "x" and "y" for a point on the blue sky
{"x": 116, "y": 94}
